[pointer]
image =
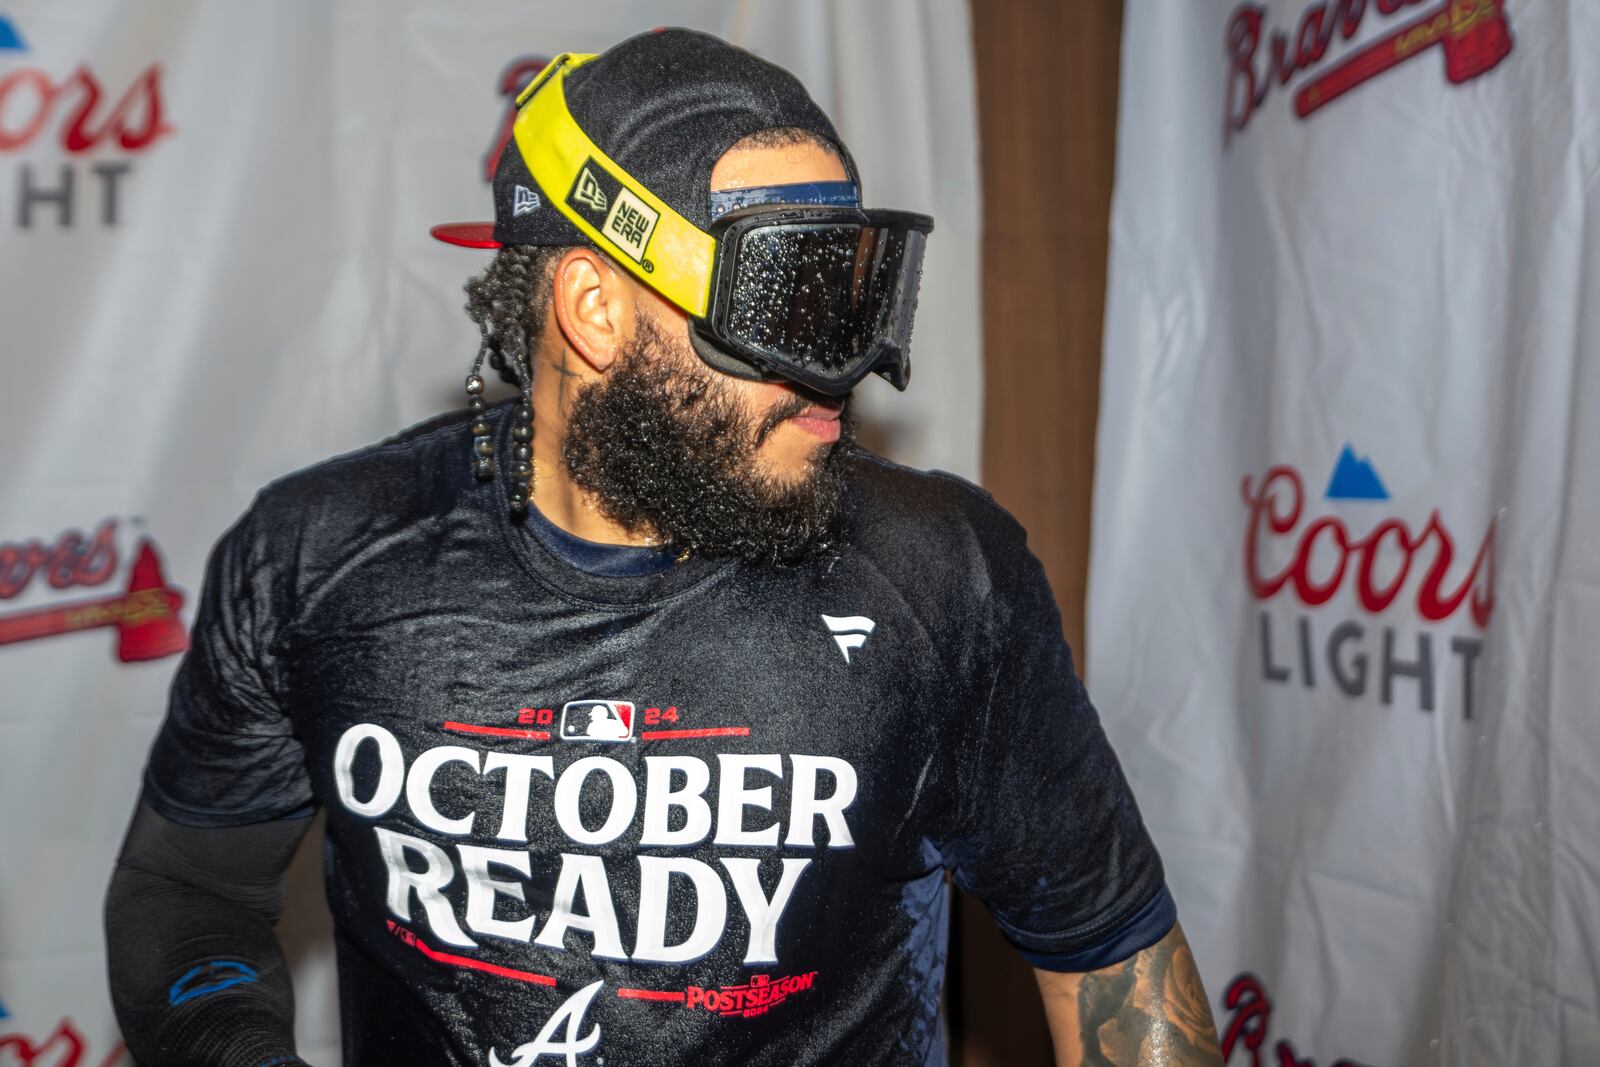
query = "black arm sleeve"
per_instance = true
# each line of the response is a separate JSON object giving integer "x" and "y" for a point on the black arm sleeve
{"x": 196, "y": 974}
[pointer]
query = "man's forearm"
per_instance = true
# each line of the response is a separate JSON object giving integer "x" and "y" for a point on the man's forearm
{"x": 197, "y": 976}
{"x": 1148, "y": 1011}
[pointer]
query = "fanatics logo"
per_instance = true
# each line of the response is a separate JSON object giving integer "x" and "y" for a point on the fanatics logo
{"x": 850, "y": 632}
{"x": 588, "y": 191}
{"x": 524, "y": 201}
{"x": 597, "y": 720}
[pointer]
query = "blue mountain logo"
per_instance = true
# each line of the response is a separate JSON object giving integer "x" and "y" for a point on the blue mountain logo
{"x": 10, "y": 39}
{"x": 1355, "y": 479}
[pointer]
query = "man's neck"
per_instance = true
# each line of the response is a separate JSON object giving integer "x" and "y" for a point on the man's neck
{"x": 556, "y": 380}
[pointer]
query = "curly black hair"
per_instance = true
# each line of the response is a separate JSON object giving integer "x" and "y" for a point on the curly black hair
{"x": 508, "y": 302}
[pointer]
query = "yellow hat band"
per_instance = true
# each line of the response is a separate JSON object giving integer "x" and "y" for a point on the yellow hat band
{"x": 608, "y": 205}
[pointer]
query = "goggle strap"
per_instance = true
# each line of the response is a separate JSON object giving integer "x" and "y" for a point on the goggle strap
{"x": 570, "y": 60}
{"x": 608, "y": 205}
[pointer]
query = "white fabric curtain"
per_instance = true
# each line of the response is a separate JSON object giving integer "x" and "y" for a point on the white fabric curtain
{"x": 1344, "y": 605}
{"x": 223, "y": 273}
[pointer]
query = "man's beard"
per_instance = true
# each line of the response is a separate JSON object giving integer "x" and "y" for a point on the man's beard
{"x": 666, "y": 450}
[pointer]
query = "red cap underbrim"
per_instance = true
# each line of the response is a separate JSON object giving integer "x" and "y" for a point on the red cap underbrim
{"x": 466, "y": 234}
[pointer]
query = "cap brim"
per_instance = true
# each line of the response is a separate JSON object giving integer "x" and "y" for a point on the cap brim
{"x": 466, "y": 234}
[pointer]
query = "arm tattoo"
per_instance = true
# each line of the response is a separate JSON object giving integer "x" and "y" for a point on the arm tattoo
{"x": 1149, "y": 1012}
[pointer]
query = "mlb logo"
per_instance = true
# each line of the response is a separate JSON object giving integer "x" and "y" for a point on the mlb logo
{"x": 597, "y": 720}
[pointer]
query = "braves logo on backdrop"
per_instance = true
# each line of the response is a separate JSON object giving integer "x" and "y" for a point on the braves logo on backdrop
{"x": 513, "y": 79}
{"x": 1472, "y": 35}
{"x": 141, "y": 615}
{"x": 101, "y": 126}
{"x": 64, "y": 1046}
{"x": 1425, "y": 603}
{"x": 1250, "y": 1013}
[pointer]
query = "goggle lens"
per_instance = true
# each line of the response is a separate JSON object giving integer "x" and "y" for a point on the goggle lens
{"x": 829, "y": 299}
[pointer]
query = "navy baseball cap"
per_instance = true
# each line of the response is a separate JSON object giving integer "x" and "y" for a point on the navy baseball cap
{"x": 665, "y": 105}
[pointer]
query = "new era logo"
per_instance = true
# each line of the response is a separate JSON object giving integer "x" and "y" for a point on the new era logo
{"x": 588, "y": 191}
{"x": 597, "y": 720}
{"x": 524, "y": 201}
{"x": 618, "y": 213}
{"x": 850, "y": 632}
{"x": 630, "y": 223}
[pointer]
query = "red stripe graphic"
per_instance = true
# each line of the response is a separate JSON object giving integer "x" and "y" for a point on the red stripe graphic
{"x": 462, "y": 961}
{"x": 712, "y": 731}
{"x": 650, "y": 994}
{"x": 498, "y": 731}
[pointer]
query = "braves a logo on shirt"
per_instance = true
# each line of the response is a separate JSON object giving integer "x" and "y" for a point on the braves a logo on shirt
{"x": 545, "y": 1044}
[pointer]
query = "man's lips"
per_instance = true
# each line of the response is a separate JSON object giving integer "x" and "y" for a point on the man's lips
{"x": 818, "y": 420}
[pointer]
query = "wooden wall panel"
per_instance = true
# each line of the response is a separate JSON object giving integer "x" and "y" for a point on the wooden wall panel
{"x": 1047, "y": 112}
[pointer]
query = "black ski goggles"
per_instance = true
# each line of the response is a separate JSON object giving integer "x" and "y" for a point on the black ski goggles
{"x": 821, "y": 296}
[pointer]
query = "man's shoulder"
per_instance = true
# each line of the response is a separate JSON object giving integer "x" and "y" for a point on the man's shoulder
{"x": 314, "y": 516}
{"x": 903, "y": 509}
{"x": 400, "y": 473}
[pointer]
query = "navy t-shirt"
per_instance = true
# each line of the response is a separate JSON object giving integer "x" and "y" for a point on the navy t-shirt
{"x": 698, "y": 813}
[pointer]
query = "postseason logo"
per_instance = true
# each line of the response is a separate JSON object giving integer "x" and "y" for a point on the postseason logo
{"x": 597, "y": 720}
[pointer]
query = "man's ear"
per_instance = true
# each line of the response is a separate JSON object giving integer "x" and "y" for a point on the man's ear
{"x": 594, "y": 306}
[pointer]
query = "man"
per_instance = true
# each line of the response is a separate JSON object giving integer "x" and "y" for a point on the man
{"x": 648, "y": 712}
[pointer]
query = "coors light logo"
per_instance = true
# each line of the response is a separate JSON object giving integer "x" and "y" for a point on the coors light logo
{"x": 95, "y": 126}
{"x": 1424, "y": 593}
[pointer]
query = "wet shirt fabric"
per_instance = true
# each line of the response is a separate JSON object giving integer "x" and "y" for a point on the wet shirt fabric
{"x": 701, "y": 814}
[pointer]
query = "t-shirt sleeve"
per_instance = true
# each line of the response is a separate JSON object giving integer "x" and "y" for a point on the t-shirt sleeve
{"x": 227, "y": 753}
{"x": 1046, "y": 832}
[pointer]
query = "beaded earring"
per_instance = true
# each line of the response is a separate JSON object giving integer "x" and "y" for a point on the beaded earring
{"x": 519, "y": 472}
{"x": 519, "y": 475}
{"x": 482, "y": 432}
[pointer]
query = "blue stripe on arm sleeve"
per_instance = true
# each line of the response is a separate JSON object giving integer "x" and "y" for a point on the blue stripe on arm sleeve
{"x": 1144, "y": 928}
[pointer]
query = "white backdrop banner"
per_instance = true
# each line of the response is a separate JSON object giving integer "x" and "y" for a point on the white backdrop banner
{"x": 1345, "y": 591}
{"x": 216, "y": 269}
